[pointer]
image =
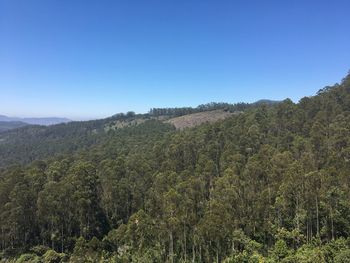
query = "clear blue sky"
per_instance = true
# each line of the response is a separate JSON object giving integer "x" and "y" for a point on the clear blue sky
{"x": 88, "y": 59}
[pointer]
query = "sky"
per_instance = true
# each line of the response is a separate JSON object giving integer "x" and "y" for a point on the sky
{"x": 85, "y": 59}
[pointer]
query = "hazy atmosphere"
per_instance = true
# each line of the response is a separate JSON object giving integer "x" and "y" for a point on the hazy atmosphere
{"x": 83, "y": 59}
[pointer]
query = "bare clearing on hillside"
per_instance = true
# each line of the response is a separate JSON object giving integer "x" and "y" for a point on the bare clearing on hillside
{"x": 195, "y": 119}
{"x": 123, "y": 124}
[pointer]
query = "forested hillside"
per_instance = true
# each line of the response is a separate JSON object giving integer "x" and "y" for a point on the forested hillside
{"x": 35, "y": 142}
{"x": 271, "y": 184}
{"x": 9, "y": 125}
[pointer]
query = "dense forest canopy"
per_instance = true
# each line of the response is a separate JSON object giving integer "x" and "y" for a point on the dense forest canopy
{"x": 269, "y": 185}
{"x": 22, "y": 146}
{"x": 8, "y": 125}
{"x": 175, "y": 112}
{"x": 200, "y": 108}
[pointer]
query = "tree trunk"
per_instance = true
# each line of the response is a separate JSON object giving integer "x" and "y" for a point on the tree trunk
{"x": 171, "y": 247}
{"x": 307, "y": 230}
{"x": 317, "y": 218}
{"x": 52, "y": 239}
{"x": 193, "y": 253}
{"x": 185, "y": 244}
{"x": 332, "y": 224}
{"x": 62, "y": 239}
{"x": 297, "y": 213}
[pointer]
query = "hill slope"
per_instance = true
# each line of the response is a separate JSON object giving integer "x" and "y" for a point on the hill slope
{"x": 270, "y": 184}
{"x": 9, "y": 125}
{"x": 39, "y": 142}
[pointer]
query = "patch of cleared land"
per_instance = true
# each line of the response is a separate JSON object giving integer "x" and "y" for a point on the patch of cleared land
{"x": 123, "y": 124}
{"x": 120, "y": 124}
{"x": 195, "y": 119}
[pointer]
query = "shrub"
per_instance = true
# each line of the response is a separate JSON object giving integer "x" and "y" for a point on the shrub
{"x": 28, "y": 258}
{"x": 343, "y": 256}
{"x": 51, "y": 256}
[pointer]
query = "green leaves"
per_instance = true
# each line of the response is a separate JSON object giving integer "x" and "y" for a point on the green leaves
{"x": 268, "y": 185}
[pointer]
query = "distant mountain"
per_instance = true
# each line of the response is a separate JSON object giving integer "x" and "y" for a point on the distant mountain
{"x": 8, "y": 125}
{"x": 38, "y": 121}
{"x": 268, "y": 102}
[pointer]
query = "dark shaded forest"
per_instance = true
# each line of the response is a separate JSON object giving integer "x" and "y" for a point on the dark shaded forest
{"x": 271, "y": 184}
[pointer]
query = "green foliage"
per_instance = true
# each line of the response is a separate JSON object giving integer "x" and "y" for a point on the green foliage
{"x": 174, "y": 112}
{"x": 245, "y": 257}
{"x": 86, "y": 251}
{"x": 51, "y": 256}
{"x": 268, "y": 185}
{"x": 343, "y": 256}
{"x": 39, "y": 250}
{"x": 280, "y": 251}
{"x": 28, "y": 258}
{"x": 9, "y": 125}
{"x": 309, "y": 254}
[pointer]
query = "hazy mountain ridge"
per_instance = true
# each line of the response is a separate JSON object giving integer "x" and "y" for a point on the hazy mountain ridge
{"x": 35, "y": 121}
